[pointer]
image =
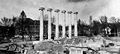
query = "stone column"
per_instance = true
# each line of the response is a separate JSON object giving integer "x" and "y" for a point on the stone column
{"x": 70, "y": 28}
{"x": 75, "y": 19}
{"x": 41, "y": 23}
{"x": 49, "y": 23}
{"x": 57, "y": 24}
{"x": 64, "y": 21}
{"x": 25, "y": 52}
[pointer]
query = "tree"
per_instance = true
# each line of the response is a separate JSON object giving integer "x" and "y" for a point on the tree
{"x": 6, "y": 22}
{"x": 82, "y": 28}
{"x": 114, "y": 26}
{"x": 22, "y": 14}
{"x": 96, "y": 27}
{"x": 113, "y": 20}
{"x": 103, "y": 19}
{"x": 7, "y": 29}
{"x": 22, "y": 25}
{"x": 104, "y": 22}
{"x": 118, "y": 21}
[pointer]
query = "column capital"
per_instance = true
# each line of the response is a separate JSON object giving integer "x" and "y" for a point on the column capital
{"x": 57, "y": 10}
{"x": 69, "y": 12}
{"x": 75, "y": 12}
{"x": 41, "y": 8}
{"x": 49, "y": 9}
{"x": 63, "y": 11}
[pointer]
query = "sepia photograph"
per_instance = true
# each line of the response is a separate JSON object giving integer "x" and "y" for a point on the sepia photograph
{"x": 59, "y": 26}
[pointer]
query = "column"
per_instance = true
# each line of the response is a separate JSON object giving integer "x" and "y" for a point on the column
{"x": 64, "y": 21}
{"x": 69, "y": 17}
{"x": 75, "y": 19}
{"x": 81, "y": 51}
{"x": 25, "y": 52}
{"x": 72, "y": 25}
{"x": 41, "y": 23}
{"x": 49, "y": 23}
{"x": 57, "y": 24}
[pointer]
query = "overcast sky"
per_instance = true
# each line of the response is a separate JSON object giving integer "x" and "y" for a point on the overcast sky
{"x": 96, "y": 8}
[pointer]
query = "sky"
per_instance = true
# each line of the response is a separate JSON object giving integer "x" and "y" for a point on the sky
{"x": 85, "y": 8}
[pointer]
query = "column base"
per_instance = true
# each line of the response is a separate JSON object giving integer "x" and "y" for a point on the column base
{"x": 49, "y": 39}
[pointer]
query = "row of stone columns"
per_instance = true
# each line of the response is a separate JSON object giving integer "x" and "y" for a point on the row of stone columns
{"x": 57, "y": 11}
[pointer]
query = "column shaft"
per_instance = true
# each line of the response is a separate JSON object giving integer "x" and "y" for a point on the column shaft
{"x": 41, "y": 26}
{"x": 49, "y": 25}
{"x": 76, "y": 32}
{"x": 70, "y": 30}
{"x": 64, "y": 21}
{"x": 57, "y": 28}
